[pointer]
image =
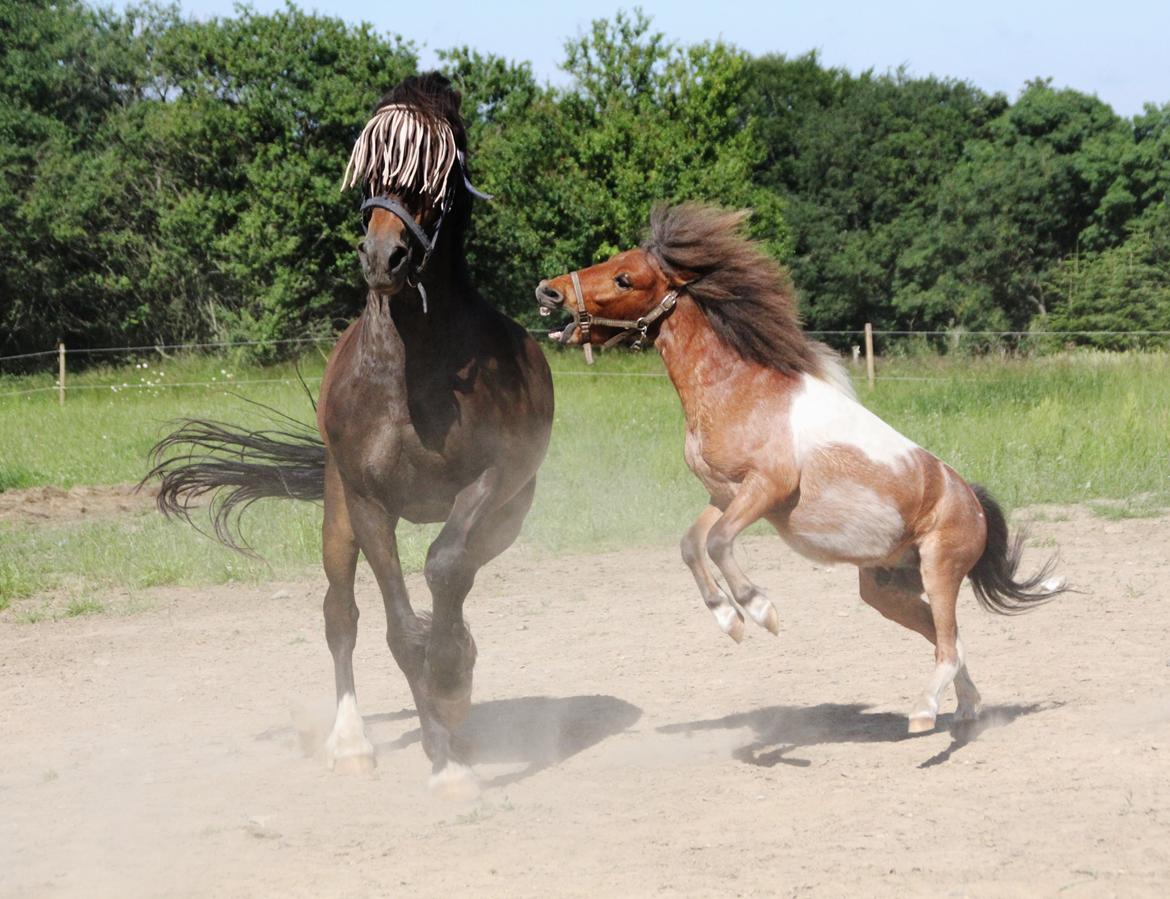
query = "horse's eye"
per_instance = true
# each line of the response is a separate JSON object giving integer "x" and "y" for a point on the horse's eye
{"x": 623, "y": 281}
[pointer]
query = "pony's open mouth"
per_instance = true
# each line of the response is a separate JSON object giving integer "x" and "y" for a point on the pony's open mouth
{"x": 568, "y": 329}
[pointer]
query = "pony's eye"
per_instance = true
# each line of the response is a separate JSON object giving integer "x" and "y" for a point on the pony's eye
{"x": 623, "y": 281}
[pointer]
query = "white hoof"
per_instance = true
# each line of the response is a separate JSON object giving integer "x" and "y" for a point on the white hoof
{"x": 730, "y": 620}
{"x": 920, "y": 724}
{"x": 764, "y": 613}
{"x": 455, "y": 783}
{"x": 922, "y": 718}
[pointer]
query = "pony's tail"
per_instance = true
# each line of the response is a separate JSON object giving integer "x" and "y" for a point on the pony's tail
{"x": 235, "y": 467}
{"x": 994, "y": 576}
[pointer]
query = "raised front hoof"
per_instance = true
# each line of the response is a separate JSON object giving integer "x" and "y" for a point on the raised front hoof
{"x": 730, "y": 621}
{"x": 763, "y": 612}
{"x": 454, "y": 783}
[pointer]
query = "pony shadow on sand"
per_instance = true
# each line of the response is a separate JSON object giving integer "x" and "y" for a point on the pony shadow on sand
{"x": 782, "y": 729}
{"x": 535, "y": 731}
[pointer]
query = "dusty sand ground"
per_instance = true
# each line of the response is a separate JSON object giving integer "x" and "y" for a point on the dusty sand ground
{"x": 626, "y": 745}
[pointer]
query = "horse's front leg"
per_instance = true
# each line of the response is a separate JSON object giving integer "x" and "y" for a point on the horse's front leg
{"x": 484, "y": 520}
{"x": 753, "y": 500}
{"x": 694, "y": 553}
{"x": 346, "y": 748}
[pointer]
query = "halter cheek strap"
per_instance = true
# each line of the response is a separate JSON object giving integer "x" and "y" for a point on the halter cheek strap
{"x": 639, "y": 326}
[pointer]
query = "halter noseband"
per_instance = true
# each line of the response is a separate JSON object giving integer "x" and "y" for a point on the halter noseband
{"x": 639, "y": 326}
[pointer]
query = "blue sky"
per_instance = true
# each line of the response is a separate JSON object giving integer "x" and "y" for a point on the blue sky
{"x": 1117, "y": 50}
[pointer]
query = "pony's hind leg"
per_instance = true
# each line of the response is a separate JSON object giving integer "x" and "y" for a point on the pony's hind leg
{"x": 346, "y": 748}
{"x": 897, "y": 595}
{"x": 694, "y": 553}
{"x": 750, "y": 504}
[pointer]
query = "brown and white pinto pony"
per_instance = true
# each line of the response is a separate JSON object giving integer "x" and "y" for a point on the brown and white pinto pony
{"x": 774, "y": 431}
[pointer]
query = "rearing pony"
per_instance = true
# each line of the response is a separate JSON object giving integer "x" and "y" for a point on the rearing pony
{"x": 773, "y": 431}
{"x": 434, "y": 407}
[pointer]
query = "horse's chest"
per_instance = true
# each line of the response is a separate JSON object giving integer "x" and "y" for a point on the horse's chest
{"x": 719, "y": 485}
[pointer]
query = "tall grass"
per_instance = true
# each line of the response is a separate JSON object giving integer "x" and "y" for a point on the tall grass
{"x": 1061, "y": 429}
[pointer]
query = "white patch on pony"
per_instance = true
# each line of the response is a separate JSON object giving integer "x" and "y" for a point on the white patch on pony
{"x": 347, "y": 748}
{"x": 833, "y": 372}
{"x": 455, "y": 783}
{"x": 845, "y": 521}
{"x": 821, "y": 416}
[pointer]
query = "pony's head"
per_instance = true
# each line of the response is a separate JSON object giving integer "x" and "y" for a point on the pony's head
{"x": 410, "y": 161}
{"x": 703, "y": 253}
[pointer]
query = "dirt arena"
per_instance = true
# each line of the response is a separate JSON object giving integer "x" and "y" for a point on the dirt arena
{"x": 627, "y": 747}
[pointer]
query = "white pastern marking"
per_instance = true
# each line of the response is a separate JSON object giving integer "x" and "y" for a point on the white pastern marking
{"x": 821, "y": 415}
{"x": 348, "y": 738}
{"x": 729, "y": 620}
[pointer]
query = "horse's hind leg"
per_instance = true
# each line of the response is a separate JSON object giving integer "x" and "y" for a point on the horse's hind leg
{"x": 346, "y": 747}
{"x": 750, "y": 504}
{"x": 897, "y": 594}
{"x": 694, "y": 553}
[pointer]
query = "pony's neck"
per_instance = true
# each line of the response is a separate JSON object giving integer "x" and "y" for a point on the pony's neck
{"x": 694, "y": 355}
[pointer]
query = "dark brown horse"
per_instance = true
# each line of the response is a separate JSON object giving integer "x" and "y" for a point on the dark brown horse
{"x": 773, "y": 431}
{"x": 434, "y": 407}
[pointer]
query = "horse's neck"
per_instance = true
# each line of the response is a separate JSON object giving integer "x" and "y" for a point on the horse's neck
{"x": 697, "y": 361}
{"x": 405, "y": 325}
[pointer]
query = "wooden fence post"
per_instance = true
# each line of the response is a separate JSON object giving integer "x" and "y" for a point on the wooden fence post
{"x": 61, "y": 372}
{"x": 869, "y": 353}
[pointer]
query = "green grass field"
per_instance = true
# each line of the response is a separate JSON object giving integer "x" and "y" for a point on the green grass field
{"x": 1061, "y": 429}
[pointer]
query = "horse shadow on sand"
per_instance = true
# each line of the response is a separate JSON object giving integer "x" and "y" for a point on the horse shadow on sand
{"x": 782, "y": 729}
{"x": 534, "y": 731}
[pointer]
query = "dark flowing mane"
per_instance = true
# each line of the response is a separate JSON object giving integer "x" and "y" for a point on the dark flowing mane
{"x": 746, "y": 295}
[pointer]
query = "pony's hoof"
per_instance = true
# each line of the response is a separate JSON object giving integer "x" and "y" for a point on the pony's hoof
{"x": 968, "y": 714}
{"x": 730, "y": 621}
{"x": 763, "y": 612}
{"x": 920, "y": 724}
{"x": 455, "y": 783}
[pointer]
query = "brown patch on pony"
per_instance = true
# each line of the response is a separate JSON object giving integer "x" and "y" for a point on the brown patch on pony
{"x": 746, "y": 295}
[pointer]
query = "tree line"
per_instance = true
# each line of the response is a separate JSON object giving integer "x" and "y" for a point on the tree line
{"x": 165, "y": 180}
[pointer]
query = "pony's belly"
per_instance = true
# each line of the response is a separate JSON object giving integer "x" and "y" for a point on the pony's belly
{"x": 846, "y": 522}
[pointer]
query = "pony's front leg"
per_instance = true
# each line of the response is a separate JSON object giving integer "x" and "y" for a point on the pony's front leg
{"x": 694, "y": 553}
{"x": 752, "y": 502}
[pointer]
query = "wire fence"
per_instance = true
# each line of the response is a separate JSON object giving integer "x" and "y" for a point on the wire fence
{"x": 950, "y": 338}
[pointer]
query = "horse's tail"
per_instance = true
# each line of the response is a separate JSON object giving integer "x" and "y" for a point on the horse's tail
{"x": 994, "y": 576}
{"x": 235, "y": 467}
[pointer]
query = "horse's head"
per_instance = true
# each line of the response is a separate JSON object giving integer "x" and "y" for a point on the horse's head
{"x": 618, "y": 299}
{"x": 410, "y": 163}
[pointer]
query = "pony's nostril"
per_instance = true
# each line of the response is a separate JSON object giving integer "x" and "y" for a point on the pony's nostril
{"x": 396, "y": 258}
{"x": 551, "y": 294}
